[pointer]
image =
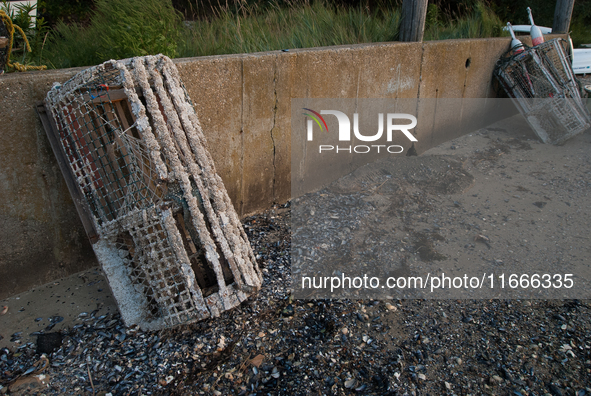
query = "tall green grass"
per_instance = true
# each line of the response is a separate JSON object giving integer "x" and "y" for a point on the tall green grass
{"x": 124, "y": 28}
{"x": 479, "y": 23}
{"x": 298, "y": 26}
{"x": 580, "y": 32}
{"x": 304, "y": 25}
{"x": 118, "y": 29}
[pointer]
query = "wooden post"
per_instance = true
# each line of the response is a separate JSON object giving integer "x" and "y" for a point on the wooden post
{"x": 412, "y": 25}
{"x": 562, "y": 15}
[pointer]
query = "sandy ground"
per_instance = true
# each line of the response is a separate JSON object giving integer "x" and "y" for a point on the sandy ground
{"x": 492, "y": 204}
{"x": 60, "y": 303}
{"x": 531, "y": 202}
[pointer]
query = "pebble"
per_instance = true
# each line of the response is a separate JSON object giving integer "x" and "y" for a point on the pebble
{"x": 350, "y": 383}
{"x": 311, "y": 346}
{"x": 275, "y": 373}
{"x": 556, "y": 391}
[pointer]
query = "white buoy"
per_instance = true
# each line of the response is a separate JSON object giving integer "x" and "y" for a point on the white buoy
{"x": 516, "y": 45}
{"x": 535, "y": 32}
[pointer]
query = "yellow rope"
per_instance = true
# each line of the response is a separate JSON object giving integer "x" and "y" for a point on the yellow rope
{"x": 11, "y": 27}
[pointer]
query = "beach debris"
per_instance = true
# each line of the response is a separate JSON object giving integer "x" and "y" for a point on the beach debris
{"x": 159, "y": 218}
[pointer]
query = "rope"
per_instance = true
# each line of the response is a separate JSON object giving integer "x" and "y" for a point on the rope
{"x": 11, "y": 28}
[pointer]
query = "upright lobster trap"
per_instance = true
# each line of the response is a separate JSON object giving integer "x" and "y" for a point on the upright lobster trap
{"x": 160, "y": 221}
{"x": 543, "y": 86}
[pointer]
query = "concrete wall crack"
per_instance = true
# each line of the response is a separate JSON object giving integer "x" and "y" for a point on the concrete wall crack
{"x": 275, "y": 106}
{"x": 420, "y": 74}
{"x": 242, "y": 138}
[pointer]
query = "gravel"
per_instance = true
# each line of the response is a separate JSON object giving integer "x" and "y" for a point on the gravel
{"x": 278, "y": 346}
{"x": 274, "y": 344}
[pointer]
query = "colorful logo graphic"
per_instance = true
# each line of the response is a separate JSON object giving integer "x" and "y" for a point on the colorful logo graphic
{"x": 316, "y": 118}
{"x": 347, "y": 131}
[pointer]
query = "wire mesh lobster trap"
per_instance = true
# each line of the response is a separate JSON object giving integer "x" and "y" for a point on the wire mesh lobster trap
{"x": 160, "y": 220}
{"x": 543, "y": 86}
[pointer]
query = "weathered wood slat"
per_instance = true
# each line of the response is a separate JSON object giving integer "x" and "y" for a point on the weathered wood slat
{"x": 562, "y": 16}
{"x": 412, "y": 24}
{"x": 77, "y": 196}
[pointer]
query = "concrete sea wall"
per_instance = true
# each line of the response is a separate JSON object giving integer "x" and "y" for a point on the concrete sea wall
{"x": 243, "y": 103}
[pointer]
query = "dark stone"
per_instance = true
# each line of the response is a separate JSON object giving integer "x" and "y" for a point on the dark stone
{"x": 47, "y": 343}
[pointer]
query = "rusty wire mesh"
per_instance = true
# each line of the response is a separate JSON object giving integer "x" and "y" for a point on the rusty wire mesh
{"x": 542, "y": 84}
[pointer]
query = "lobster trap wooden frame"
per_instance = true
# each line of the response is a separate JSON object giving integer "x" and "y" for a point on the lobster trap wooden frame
{"x": 162, "y": 226}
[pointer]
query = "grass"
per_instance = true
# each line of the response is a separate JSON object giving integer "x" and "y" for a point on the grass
{"x": 580, "y": 32}
{"x": 299, "y": 26}
{"x": 481, "y": 22}
{"x": 303, "y": 26}
{"x": 20, "y": 15}
{"x": 122, "y": 28}
{"x": 118, "y": 29}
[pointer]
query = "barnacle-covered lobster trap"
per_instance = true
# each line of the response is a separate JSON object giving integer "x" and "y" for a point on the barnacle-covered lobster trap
{"x": 160, "y": 220}
{"x": 541, "y": 82}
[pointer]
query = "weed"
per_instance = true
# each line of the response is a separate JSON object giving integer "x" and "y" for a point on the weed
{"x": 118, "y": 29}
{"x": 479, "y": 23}
{"x": 35, "y": 31}
{"x": 301, "y": 25}
{"x": 123, "y": 28}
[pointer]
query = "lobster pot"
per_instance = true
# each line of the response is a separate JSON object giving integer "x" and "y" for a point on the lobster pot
{"x": 542, "y": 85}
{"x": 160, "y": 221}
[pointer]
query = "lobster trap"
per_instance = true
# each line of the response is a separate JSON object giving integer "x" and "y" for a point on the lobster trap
{"x": 162, "y": 226}
{"x": 543, "y": 86}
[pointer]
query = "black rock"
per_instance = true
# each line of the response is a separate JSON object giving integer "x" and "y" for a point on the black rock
{"x": 288, "y": 311}
{"x": 412, "y": 151}
{"x": 56, "y": 319}
{"x": 556, "y": 391}
{"x": 47, "y": 343}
